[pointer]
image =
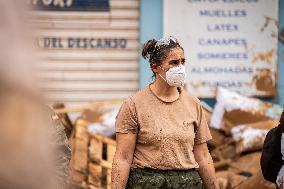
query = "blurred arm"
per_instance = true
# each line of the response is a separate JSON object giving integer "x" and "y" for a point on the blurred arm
{"x": 206, "y": 166}
{"x": 122, "y": 160}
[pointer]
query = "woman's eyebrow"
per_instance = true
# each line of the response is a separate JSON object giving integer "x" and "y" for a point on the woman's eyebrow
{"x": 174, "y": 60}
{"x": 182, "y": 59}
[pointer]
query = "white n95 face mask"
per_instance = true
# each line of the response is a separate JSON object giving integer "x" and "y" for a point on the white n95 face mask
{"x": 175, "y": 76}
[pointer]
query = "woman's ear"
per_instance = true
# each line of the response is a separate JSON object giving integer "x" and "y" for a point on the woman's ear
{"x": 154, "y": 68}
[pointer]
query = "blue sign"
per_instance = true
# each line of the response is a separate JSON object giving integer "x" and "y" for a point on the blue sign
{"x": 70, "y": 5}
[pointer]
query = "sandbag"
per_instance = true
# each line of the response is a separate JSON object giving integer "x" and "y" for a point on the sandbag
{"x": 234, "y": 109}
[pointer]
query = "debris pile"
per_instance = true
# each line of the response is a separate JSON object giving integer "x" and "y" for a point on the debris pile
{"x": 239, "y": 125}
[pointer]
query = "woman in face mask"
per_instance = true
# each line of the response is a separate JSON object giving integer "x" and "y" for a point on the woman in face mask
{"x": 162, "y": 130}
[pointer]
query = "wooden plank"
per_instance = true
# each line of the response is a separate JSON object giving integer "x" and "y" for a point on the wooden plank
{"x": 108, "y": 186}
{"x": 81, "y": 156}
{"x": 96, "y": 150}
{"x": 95, "y": 154}
{"x": 103, "y": 139}
{"x": 80, "y": 108}
{"x": 106, "y": 164}
{"x": 111, "y": 148}
{"x": 93, "y": 187}
{"x": 81, "y": 127}
{"x": 77, "y": 177}
{"x": 75, "y": 107}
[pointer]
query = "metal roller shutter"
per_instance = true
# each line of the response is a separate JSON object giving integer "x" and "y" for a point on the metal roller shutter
{"x": 88, "y": 55}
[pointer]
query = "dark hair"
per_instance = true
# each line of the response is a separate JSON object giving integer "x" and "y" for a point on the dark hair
{"x": 156, "y": 52}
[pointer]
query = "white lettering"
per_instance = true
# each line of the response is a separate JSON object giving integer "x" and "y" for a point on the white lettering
{"x": 47, "y": 2}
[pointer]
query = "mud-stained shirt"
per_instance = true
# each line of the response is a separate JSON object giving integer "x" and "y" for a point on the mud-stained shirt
{"x": 166, "y": 131}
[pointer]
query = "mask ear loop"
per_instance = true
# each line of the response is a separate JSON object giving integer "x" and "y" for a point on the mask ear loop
{"x": 162, "y": 76}
{"x": 162, "y": 69}
{"x": 155, "y": 66}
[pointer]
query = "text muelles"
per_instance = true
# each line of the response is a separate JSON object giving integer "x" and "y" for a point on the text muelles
{"x": 223, "y": 13}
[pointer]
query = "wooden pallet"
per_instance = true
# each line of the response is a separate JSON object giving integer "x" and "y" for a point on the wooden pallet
{"x": 92, "y": 158}
{"x": 79, "y": 161}
{"x": 101, "y": 153}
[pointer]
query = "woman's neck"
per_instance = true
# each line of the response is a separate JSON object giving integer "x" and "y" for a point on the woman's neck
{"x": 164, "y": 90}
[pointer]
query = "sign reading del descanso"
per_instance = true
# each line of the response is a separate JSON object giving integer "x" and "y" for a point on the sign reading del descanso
{"x": 228, "y": 43}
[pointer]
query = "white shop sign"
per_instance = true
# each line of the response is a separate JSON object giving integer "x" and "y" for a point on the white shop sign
{"x": 229, "y": 43}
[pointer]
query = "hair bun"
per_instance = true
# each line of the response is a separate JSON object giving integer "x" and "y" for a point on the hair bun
{"x": 148, "y": 48}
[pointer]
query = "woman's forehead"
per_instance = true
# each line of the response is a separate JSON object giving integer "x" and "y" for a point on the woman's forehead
{"x": 176, "y": 53}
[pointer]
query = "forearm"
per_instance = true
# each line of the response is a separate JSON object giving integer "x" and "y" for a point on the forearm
{"x": 120, "y": 173}
{"x": 207, "y": 172}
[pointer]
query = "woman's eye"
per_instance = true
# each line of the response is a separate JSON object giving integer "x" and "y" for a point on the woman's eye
{"x": 175, "y": 62}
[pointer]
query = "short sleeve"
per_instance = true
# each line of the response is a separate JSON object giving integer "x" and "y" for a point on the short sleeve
{"x": 202, "y": 133}
{"x": 126, "y": 119}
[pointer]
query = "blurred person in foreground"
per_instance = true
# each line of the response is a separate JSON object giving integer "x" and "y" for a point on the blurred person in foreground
{"x": 161, "y": 131}
{"x": 33, "y": 148}
{"x": 272, "y": 157}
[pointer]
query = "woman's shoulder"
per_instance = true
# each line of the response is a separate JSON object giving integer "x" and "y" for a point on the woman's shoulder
{"x": 190, "y": 97}
{"x": 138, "y": 96}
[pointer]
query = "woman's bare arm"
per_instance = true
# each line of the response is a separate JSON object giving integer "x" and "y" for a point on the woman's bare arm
{"x": 206, "y": 166}
{"x": 125, "y": 145}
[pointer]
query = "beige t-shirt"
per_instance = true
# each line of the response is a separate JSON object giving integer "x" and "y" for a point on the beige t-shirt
{"x": 166, "y": 131}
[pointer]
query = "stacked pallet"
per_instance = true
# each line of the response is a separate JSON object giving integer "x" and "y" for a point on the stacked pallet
{"x": 92, "y": 158}
{"x": 79, "y": 154}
